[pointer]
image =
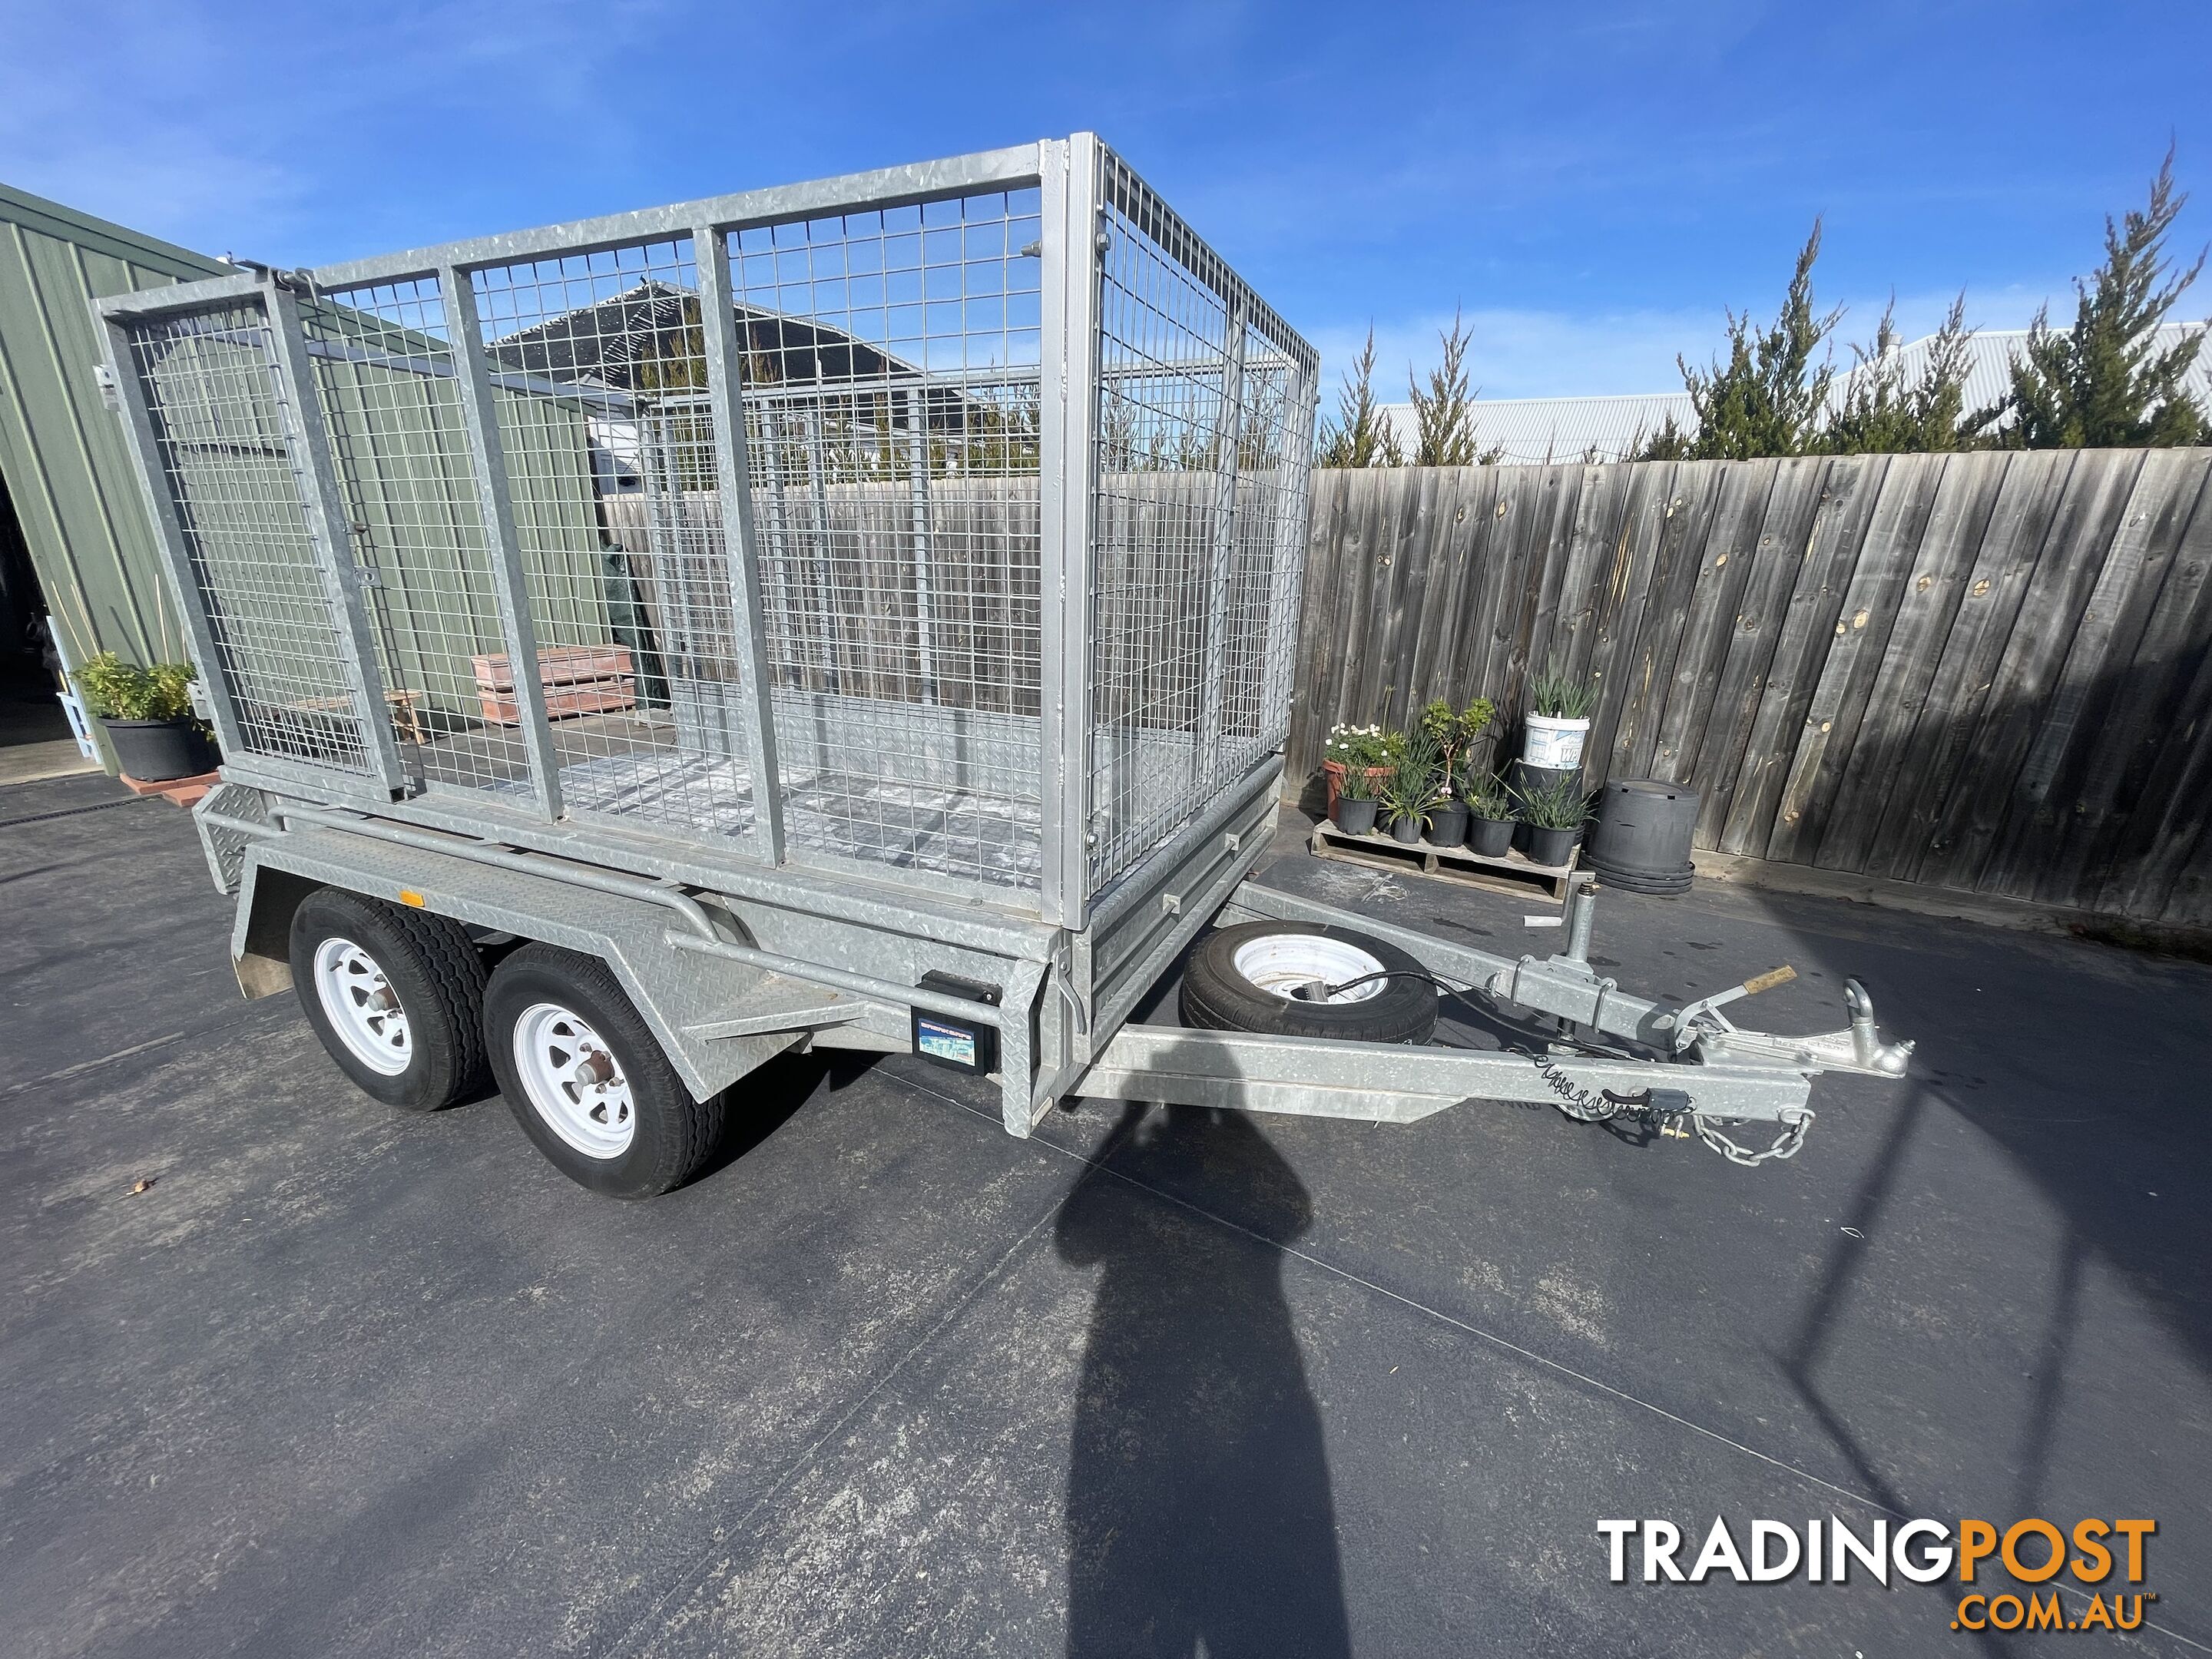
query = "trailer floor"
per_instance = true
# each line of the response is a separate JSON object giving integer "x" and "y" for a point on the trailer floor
{"x": 340, "y": 1380}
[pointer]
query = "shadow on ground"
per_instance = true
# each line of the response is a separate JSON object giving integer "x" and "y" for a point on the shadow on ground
{"x": 1199, "y": 1518}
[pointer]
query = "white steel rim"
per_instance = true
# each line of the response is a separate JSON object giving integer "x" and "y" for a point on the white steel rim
{"x": 362, "y": 1006}
{"x": 1282, "y": 964}
{"x": 575, "y": 1083}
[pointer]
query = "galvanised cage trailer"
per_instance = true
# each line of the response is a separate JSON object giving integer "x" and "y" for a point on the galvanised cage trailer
{"x": 857, "y": 614}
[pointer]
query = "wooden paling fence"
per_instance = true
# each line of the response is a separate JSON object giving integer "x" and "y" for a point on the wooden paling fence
{"x": 1988, "y": 673}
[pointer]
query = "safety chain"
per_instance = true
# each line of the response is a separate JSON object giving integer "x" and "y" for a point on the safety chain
{"x": 1580, "y": 1104}
{"x": 1796, "y": 1120}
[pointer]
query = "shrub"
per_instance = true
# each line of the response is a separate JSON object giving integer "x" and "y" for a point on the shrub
{"x": 118, "y": 690}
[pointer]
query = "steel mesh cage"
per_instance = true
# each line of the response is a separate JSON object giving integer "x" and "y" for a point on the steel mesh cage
{"x": 943, "y": 526}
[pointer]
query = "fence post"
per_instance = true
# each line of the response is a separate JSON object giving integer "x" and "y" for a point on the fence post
{"x": 710, "y": 251}
{"x": 503, "y": 545}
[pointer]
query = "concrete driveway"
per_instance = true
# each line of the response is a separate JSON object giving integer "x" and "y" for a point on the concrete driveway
{"x": 887, "y": 1382}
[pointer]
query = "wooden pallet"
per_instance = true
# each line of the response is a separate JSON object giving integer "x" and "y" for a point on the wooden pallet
{"x": 1514, "y": 874}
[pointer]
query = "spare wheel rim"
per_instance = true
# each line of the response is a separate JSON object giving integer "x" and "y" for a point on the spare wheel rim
{"x": 575, "y": 1083}
{"x": 1279, "y": 963}
{"x": 362, "y": 1006}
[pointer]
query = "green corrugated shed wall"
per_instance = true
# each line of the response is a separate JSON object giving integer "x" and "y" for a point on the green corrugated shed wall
{"x": 62, "y": 453}
{"x": 399, "y": 454}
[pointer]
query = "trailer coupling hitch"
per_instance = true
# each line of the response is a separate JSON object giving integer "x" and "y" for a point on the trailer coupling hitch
{"x": 1858, "y": 1047}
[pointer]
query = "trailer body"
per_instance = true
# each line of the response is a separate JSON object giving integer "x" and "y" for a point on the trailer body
{"x": 800, "y": 601}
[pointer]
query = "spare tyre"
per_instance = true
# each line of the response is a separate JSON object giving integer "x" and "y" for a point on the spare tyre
{"x": 1282, "y": 978}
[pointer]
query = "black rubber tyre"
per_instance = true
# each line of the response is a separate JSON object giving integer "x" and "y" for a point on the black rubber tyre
{"x": 430, "y": 966}
{"x": 1217, "y": 997}
{"x": 670, "y": 1134}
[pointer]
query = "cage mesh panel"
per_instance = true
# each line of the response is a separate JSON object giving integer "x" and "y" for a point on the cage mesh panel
{"x": 1201, "y": 510}
{"x": 210, "y": 385}
{"x": 384, "y": 370}
{"x": 890, "y": 373}
{"x": 601, "y": 369}
{"x": 1166, "y": 434}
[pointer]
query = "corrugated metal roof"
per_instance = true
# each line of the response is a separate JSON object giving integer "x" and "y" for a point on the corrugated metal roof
{"x": 1537, "y": 431}
{"x": 1534, "y": 431}
{"x": 68, "y": 471}
{"x": 1989, "y": 362}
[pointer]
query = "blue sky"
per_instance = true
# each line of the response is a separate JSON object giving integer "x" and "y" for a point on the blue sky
{"x": 1593, "y": 183}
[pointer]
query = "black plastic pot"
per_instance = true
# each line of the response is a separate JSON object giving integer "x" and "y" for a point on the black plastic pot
{"x": 155, "y": 751}
{"x": 1355, "y": 817}
{"x": 1528, "y": 779}
{"x": 1448, "y": 824}
{"x": 1406, "y": 829}
{"x": 1491, "y": 837}
{"x": 1551, "y": 847}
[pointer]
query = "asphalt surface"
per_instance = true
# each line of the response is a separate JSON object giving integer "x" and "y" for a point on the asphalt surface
{"x": 887, "y": 1382}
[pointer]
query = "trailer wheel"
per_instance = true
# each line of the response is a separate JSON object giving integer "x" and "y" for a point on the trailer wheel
{"x": 587, "y": 1080}
{"x": 1248, "y": 978}
{"x": 396, "y": 995}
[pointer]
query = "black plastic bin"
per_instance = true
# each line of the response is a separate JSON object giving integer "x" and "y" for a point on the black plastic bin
{"x": 1641, "y": 838}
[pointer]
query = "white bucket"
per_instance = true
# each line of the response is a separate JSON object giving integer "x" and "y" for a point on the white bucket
{"x": 1555, "y": 745}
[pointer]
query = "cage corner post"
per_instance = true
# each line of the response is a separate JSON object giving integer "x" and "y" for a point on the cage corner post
{"x": 503, "y": 544}
{"x": 330, "y": 532}
{"x": 1229, "y": 435}
{"x": 1068, "y": 508}
{"x": 710, "y": 253}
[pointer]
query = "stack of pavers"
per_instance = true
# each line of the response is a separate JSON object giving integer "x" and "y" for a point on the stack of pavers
{"x": 578, "y": 679}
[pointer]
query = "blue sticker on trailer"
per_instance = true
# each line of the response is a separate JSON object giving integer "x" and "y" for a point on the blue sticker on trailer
{"x": 946, "y": 1042}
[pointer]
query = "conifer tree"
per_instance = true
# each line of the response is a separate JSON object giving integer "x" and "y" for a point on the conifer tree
{"x": 2105, "y": 382}
{"x": 1769, "y": 398}
{"x": 1361, "y": 434}
{"x": 1444, "y": 412}
{"x": 1667, "y": 441}
{"x": 1883, "y": 414}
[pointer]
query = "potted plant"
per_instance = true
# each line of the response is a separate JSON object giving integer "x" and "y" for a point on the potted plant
{"x": 1447, "y": 819}
{"x": 1406, "y": 801}
{"x": 1453, "y": 732}
{"x": 1551, "y": 813}
{"x": 1355, "y": 748}
{"x": 1490, "y": 810}
{"x": 1559, "y": 721}
{"x": 1355, "y": 806}
{"x": 147, "y": 714}
{"x": 1413, "y": 787}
